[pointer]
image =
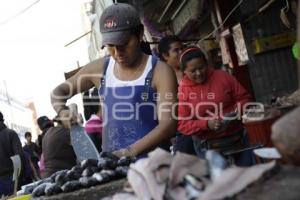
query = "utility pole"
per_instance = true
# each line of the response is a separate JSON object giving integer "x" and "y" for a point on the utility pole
{"x": 8, "y": 102}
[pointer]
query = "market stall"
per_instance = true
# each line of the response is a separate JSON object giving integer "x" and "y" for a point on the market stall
{"x": 90, "y": 179}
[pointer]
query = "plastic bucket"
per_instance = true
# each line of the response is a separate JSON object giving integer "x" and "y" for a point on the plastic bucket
{"x": 259, "y": 132}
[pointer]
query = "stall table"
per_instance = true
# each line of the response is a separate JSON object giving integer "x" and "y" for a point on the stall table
{"x": 283, "y": 185}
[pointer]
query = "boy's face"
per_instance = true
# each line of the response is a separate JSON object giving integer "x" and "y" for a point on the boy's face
{"x": 173, "y": 56}
{"x": 28, "y": 138}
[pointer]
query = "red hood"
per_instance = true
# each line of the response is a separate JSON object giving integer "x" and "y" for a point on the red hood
{"x": 187, "y": 82}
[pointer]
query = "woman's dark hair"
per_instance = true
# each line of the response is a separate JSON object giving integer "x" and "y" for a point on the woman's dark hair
{"x": 190, "y": 53}
{"x": 164, "y": 45}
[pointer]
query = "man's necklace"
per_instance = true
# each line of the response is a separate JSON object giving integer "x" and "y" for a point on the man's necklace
{"x": 132, "y": 76}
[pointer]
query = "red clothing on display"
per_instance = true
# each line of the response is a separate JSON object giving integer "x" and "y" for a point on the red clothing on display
{"x": 221, "y": 93}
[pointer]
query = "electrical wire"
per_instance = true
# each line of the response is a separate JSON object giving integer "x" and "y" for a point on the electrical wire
{"x": 226, "y": 18}
{"x": 18, "y": 14}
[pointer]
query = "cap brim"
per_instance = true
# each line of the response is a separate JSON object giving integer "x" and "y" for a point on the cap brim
{"x": 115, "y": 38}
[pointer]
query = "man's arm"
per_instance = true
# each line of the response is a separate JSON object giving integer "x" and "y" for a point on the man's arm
{"x": 165, "y": 83}
{"x": 88, "y": 76}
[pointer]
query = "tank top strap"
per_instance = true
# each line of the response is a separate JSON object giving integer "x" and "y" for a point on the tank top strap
{"x": 148, "y": 79}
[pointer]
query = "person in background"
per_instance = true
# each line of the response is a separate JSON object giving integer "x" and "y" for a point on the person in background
{"x": 128, "y": 78}
{"x": 30, "y": 172}
{"x": 32, "y": 149}
{"x": 169, "y": 50}
{"x": 44, "y": 124}
{"x": 10, "y": 145}
{"x": 93, "y": 126}
{"x": 58, "y": 153}
{"x": 206, "y": 96}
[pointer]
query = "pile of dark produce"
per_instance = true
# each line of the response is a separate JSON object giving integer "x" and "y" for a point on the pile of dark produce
{"x": 86, "y": 174}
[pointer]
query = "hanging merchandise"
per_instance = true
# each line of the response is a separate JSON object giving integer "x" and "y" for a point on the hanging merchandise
{"x": 283, "y": 15}
{"x": 240, "y": 45}
{"x": 224, "y": 51}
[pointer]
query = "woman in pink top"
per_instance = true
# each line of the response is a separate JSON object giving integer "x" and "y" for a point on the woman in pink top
{"x": 93, "y": 126}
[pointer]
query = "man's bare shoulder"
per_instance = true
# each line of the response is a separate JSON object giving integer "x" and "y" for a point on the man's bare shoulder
{"x": 95, "y": 66}
{"x": 164, "y": 74}
{"x": 162, "y": 69}
{"x": 93, "y": 71}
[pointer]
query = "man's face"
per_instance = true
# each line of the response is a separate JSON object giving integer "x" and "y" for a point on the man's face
{"x": 173, "y": 56}
{"x": 28, "y": 138}
{"x": 125, "y": 54}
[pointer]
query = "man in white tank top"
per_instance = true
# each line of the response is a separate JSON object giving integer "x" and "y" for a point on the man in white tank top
{"x": 122, "y": 34}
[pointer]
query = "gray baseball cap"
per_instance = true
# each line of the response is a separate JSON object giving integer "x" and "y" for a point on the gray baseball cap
{"x": 116, "y": 22}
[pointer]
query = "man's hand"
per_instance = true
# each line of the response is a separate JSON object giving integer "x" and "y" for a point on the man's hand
{"x": 124, "y": 152}
{"x": 67, "y": 118}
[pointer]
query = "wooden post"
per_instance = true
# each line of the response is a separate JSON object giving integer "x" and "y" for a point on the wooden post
{"x": 241, "y": 73}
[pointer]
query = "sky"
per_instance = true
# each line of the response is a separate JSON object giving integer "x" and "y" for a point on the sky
{"x": 33, "y": 58}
